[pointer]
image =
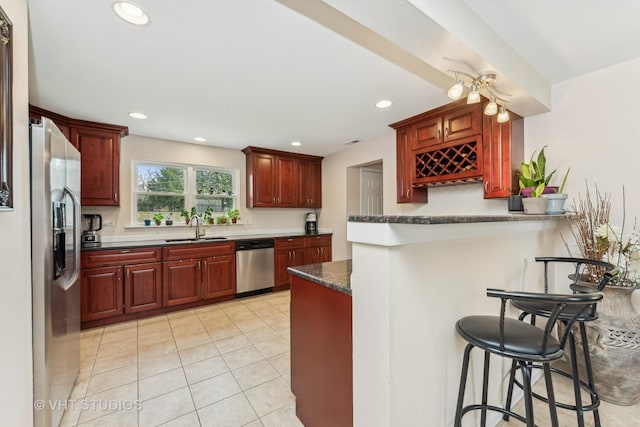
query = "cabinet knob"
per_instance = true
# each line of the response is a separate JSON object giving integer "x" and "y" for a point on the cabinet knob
{"x": 446, "y": 131}
{"x": 408, "y": 191}
{"x": 438, "y": 137}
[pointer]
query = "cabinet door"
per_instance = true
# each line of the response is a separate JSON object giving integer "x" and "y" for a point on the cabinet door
{"x": 263, "y": 180}
{"x": 100, "y": 157}
{"x": 287, "y": 182}
{"x": 405, "y": 169}
{"x": 463, "y": 122}
{"x": 317, "y": 254}
{"x": 428, "y": 132}
{"x": 219, "y": 276}
{"x": 182, "y": 282}
{"x": 310, "y": 184}
{"x": 284, "y": 259}
{"x": 101, "y": 291}
{"x": 142, "y": 287}
{"x": 503, "y": 151}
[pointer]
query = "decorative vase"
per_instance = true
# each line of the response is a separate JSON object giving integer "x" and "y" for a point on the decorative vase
{"x": 169, "y": 221}
{"x": 515, "y": 203}
{"x": 147, "y": 222}
{"x": 555, "y": 203}
{"x": 534, "y": 205}
{"x": 614, "y": 347}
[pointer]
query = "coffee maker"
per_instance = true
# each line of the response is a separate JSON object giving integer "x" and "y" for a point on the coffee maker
{"x": 311, "y": 224}
{"x": 92, "y": 224}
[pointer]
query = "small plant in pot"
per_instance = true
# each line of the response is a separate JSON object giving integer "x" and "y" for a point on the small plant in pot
{"x": 208, "y": 216}
{"x": 157, "y": 218}
{"x": 234, "y": 215}
{"x": 535, "y": 205}
{"x": 556, "y": 201}
{"x": 533, "y": 174}
{"x": 222, "y": 219}
{"x": 168, "y": 221}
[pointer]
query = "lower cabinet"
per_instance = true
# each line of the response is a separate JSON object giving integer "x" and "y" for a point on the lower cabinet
{"x": 119, "y": 285}
{"x": 117, "y": 282}
{"x": 287, "y": 253}
{"x": 192, "y": 273}
{"x": 101, "y": 291}
{"x": 294, "y": 251}
{"x": 317, "y": 249}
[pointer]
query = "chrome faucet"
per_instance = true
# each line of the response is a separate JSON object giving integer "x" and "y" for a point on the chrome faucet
{"x": 199, "y": 231}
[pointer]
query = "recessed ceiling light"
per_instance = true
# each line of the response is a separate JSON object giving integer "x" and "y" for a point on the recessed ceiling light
{"x": 137, "y": 115}
{"x": 131, "y": 13}
{"x": 199, "y": 139}
{"x": 385, "y": 103}
{"x": 296, "y": 143}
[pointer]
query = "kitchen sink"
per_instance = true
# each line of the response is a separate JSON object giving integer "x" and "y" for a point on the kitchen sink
{"x": 195, "y": 240}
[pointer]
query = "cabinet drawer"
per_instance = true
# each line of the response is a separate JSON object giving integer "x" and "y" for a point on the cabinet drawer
{"x": 120, "y": 257}
{"x": 318, "y": 241}
{"x": 197, "y": 250}
{"x": 290, "y": 243}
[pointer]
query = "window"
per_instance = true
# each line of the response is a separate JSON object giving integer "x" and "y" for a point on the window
{"x": 170, "y": 188}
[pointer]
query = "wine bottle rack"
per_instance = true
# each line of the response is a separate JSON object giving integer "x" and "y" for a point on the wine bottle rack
{"x": 454, "y": 163}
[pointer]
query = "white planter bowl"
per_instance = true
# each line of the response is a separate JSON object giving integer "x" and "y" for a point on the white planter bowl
{"x": 555, "y": 203}
{"x": 534, "y": 205}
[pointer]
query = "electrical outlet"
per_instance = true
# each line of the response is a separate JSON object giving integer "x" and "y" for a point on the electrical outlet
{"x": 109, "y": 223}
{"x": 247, "y": 220}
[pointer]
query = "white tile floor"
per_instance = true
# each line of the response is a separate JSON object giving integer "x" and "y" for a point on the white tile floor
{"x": 219, "y": 365}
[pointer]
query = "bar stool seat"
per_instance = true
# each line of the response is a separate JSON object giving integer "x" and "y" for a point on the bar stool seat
{"x": 520, "y": 341}
{"x": 573, "y": 314}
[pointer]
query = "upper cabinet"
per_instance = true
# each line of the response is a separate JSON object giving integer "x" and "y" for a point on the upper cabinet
{"x": 99, "y": 146}
{"x": 282, "y": 179}
{"x": 456, "y": 144}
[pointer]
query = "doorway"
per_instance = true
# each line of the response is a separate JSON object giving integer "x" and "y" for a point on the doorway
{"x": 365, "y": 191}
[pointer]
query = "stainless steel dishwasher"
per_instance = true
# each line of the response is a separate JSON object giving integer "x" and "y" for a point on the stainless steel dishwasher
{"x": 254, "y": 266}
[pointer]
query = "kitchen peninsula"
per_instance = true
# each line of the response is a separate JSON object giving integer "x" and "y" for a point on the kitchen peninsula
{"x": 412, "y": 278}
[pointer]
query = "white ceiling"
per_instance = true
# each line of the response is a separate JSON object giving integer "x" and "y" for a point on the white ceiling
{"x": 267, "y": 72}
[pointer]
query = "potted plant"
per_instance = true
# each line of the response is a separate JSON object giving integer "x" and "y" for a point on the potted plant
{"x": 222, "y": 219}
{"x": 168, "y": 221}
{"x": 234, "y": 215}
{"x": 535, "y": 205}
{"x": 207, "y": 216}
{"x": 157, "y": 218}
{"x": 533, "y": 174}
{"x": 147, "y": 222}
{"x": 556, "y": 201}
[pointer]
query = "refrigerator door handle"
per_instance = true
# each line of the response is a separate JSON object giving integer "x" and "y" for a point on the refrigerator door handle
{"x": 76, "y": 237}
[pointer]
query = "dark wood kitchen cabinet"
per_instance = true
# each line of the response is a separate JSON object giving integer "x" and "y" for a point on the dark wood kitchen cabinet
{"x": 196, "y": 272}
{"x": 281, "y": 179}
{"x": 503, "y": 152}
{"x": 456, "y": 144}
{"x": 287, "y": 253}
{"x": 101, "y": 291}
{"x": 310, "y": 183}
{"x": 317, "y": 249}
{"x": 99, "y": 146}
{"x": 405, "y": 167}
{"x": 119, "y": 282}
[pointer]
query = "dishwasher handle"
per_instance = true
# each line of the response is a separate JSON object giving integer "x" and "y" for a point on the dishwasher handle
{"x": 248, "y": 245}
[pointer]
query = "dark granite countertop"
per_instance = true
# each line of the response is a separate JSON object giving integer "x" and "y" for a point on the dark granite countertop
{"x": 205, "y": 240}
{"x": 451, "y": 219}
{"x": 335, "y": 275}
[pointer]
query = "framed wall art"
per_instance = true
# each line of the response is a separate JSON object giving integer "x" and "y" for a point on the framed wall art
{"x": 6, "y": 121}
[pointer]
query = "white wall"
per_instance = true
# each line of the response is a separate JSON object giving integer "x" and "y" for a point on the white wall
{"x": 136, "y": 147}
{"x": 15, "y": 256}
{"x": 591, "y": 128}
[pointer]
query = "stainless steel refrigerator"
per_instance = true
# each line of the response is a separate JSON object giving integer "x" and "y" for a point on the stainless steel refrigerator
{"x": 55, "y": 267}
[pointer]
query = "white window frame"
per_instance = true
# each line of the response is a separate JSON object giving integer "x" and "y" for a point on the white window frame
{"x": 190, "y": 191}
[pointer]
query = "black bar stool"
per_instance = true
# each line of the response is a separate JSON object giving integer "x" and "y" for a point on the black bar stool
{"x": 520, "y": 341}
{"x": 537, "y": 308}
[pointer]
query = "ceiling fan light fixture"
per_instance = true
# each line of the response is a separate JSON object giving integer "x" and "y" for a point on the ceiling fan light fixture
{"x": 130, "y": 12}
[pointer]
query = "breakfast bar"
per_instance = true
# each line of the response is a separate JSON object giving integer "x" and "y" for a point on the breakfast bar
{"x": 412, "y": 278}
